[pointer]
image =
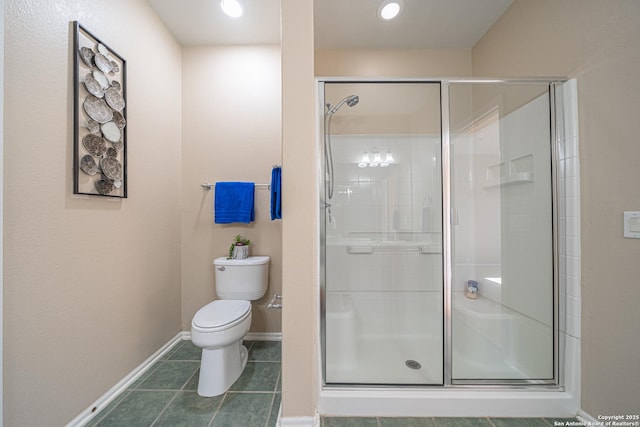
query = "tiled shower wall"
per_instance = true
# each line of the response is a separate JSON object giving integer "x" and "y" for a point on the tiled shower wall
{"x": 569, "y": 232}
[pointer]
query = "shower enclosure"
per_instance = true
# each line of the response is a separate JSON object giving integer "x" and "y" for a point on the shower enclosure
{"x": 438, "y": 234}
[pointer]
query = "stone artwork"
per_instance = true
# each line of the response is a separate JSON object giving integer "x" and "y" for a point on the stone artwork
{"x": 100, "y": 117}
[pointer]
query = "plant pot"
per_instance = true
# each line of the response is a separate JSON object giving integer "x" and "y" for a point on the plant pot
{"x": 240, "y": 252}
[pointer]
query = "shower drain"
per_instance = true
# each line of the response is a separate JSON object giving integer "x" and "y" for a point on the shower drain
{"x": 413, "y": 364}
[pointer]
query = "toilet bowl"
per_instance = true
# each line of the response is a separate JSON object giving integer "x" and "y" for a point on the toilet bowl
{"x": 219, "y": 327}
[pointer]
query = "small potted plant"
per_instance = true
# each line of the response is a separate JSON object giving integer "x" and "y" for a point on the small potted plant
{"x": 239, "y": 248}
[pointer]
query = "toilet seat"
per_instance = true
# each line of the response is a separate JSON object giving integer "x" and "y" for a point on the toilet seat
{"x": 221, "y": 314}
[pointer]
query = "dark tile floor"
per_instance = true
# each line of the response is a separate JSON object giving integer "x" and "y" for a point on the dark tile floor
{"x": 166, "y": 395}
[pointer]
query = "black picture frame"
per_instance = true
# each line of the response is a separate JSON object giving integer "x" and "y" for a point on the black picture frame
{"x": 100, "y": 117}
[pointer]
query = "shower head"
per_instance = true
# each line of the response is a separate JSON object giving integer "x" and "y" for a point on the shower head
{"x": 353, "y": 100}
{"x": 350, "y": 100}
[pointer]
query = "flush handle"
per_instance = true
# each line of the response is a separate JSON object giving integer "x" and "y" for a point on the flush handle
{"x": 220, "y": 268}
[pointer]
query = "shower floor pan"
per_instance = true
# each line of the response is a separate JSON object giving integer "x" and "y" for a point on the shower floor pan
{"x": 385, "y": 359}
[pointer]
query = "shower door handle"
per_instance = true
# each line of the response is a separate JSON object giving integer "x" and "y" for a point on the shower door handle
{"x": 327, "y": 208}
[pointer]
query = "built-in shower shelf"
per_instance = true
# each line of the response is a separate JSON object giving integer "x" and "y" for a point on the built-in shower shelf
{"x": 517, "y": 170}
{"x": 518, "y": 178}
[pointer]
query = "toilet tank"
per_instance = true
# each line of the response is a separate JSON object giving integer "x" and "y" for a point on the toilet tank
{"x": 244, "y": 279}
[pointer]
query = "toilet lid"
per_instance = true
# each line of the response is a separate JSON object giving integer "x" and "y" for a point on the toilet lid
{"x": 221, "y": 312}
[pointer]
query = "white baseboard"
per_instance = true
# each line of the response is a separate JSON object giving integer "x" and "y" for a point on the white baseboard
{"x": 264, "y": 336}
{"x": 298, "y": 421}
{"x": 124, "y": 383}
{"x": 587, "y": 418}
{"x": 252, "y": 336}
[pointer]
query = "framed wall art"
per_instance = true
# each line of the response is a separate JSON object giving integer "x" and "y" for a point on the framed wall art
{"x": 100, "y": 117}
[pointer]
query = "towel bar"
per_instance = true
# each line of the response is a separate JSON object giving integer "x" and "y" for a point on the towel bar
{"x": 208, "y": 186}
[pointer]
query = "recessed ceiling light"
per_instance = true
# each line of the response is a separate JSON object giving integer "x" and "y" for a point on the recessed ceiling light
{"x": 389, "y": 9}
{"x": 231, "y": 7}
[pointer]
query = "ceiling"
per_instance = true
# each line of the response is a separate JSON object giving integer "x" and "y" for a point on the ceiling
{"x": 338, "y": 23}
{"x": 202, "y": 22}
{"x": 422, "y": 24}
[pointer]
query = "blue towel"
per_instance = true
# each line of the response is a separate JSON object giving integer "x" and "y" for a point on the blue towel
{"x": 234, "y": 202}
{"x": 276, "y": 193}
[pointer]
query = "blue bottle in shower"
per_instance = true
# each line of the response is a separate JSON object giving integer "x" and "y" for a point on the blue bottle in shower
{"x": 472, "y": 289}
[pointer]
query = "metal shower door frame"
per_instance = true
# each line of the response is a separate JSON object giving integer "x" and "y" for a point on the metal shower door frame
{"x": 447, "y": 227}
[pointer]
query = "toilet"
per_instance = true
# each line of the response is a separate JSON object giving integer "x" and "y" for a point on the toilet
{"x": 219, "y": 327}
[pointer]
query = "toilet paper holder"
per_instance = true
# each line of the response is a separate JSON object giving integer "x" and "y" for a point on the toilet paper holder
{"x": 276, "y": 302}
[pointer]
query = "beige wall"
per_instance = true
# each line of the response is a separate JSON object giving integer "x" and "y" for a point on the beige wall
{"x": 231, "y": 132}
{"x": 299, "y": 212}
{"x": 596, "y": 42}
{"x": 393, "y": 62}
{"x": 91, "y": 286}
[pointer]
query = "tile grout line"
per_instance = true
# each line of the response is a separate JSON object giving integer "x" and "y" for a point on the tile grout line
{"x": 165, "y": 408}
{"x": 184, "y": 384}
{"x": 273, "y": 399}
{"x": 175, "y": 349}
{"x": 146, "y": 374}
{"x": 275, "y": 387}
{"x": 98, "y": 419}
{"x": 167, "y": 389}
{"x": 192, "y": 375}
{"x": 215, "y": 413}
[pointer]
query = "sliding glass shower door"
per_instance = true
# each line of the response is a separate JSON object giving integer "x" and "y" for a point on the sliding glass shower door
{"x": 382, "y": 227}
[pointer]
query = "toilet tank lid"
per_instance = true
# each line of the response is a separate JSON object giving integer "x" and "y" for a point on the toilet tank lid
{"x": 252, "y": 260}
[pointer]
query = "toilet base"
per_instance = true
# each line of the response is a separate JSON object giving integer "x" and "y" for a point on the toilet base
{"x": 220, "y": 368}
